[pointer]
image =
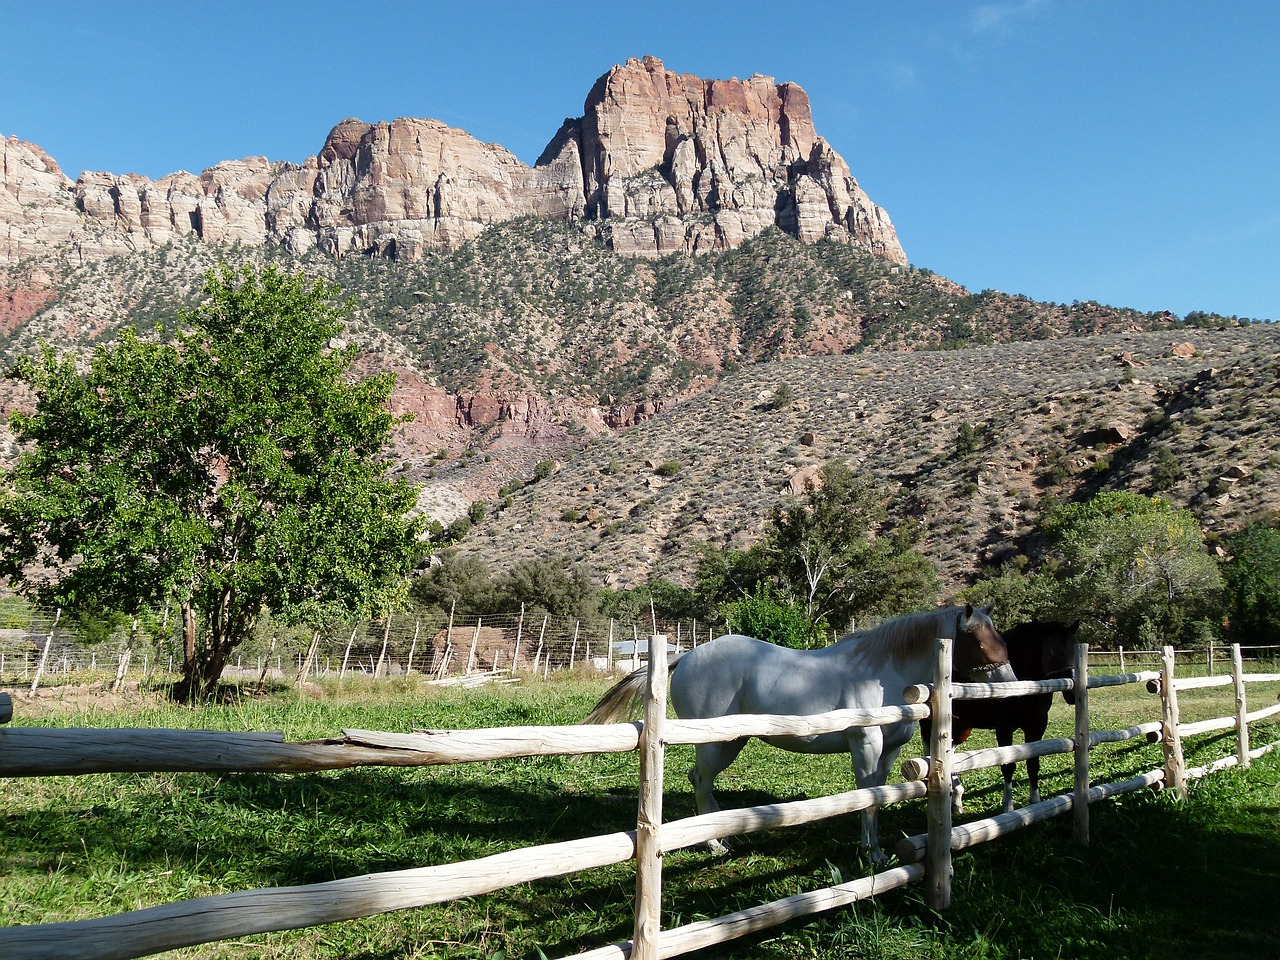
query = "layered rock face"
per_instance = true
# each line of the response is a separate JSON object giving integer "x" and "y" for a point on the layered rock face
{"x": 659, "y": 163}
{"x": 673, "y": 162}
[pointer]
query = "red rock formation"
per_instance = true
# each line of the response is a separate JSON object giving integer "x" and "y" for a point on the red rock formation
{"x": 660, "y": 162}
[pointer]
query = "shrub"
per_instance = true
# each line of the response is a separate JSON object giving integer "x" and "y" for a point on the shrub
{"x": 764, "y": 615}
{"x": 1166, "y": 471}
{"x": 669, "y": 469}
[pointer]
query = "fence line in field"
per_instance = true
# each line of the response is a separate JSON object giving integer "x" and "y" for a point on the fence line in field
{"x": 426, "y": 643}
{"x": 39, "y": 752}
{"x": 52, "y": 647}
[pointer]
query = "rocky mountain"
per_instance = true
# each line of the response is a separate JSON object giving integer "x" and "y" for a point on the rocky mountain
{"x": 658, "y": 163}
{"x": 634, "y": 300}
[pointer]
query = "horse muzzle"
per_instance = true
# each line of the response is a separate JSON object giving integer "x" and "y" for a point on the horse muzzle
{"x": 994, "y": 673}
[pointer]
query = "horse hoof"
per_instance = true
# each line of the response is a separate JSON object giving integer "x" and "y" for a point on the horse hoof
{"x": 717, "y": 848}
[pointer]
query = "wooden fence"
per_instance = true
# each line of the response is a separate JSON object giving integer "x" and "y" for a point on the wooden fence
{"x": 48, "y": 752}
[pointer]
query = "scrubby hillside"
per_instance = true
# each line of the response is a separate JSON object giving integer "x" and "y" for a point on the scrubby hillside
{"x": 976, "y": 439}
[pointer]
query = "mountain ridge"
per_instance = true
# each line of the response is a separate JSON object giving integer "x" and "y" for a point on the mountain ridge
{"x": 658, "y": 163}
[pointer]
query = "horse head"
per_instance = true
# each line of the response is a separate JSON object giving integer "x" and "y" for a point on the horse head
{"x": 981, "y": 654}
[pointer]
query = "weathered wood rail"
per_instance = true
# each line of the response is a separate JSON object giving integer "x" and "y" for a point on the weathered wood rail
{"x": 44, "y": 752}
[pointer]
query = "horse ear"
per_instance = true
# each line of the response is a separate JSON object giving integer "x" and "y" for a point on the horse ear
{"x": 968, "y": 610}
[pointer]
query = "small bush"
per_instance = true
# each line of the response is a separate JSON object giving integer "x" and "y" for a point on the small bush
{"x": 1166, "y": 471}
{"x": 669, "y": 469}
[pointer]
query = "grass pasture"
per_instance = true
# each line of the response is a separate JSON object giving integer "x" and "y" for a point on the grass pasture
{"x": 1159, "y": 879}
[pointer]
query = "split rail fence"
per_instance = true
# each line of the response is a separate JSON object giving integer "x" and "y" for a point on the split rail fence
{"x": 30, "y": 751}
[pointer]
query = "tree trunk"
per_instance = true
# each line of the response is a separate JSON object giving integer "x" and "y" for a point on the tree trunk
{"x": 186, "y": 689}
{"x": 188, "y": 642}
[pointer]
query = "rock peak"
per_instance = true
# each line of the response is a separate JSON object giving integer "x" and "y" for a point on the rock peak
{"x": 658, "y": 163}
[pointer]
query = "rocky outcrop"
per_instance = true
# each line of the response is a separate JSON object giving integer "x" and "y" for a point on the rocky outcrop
{"x": 675, "y": 163}
{"x": 506, "y": 415}
{"x": 36, "y": 209}
{"x": 659, "y": 163}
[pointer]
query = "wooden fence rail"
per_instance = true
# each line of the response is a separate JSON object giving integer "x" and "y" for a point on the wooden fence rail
{"x": 44, "y": 752}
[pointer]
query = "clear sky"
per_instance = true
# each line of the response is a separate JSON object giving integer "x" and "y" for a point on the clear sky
{"x": 1126, "y": 152}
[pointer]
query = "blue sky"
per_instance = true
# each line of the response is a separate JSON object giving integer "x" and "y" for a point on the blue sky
{"x": 1126, "y": 152}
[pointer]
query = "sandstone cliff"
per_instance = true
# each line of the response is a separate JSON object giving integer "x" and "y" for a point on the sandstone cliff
{"x": 659, "y": 163}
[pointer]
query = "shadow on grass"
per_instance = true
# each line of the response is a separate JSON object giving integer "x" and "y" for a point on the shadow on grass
{"x": 1160, "y": 879}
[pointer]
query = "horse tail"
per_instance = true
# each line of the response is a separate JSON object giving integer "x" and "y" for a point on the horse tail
{"x": 622, "y": 701}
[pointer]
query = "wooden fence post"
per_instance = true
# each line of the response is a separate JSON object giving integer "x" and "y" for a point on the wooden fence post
{"x": 304, "y": 668}
{"x": 515, "y": 657}
{"x": 380, "y": 668}
{"x": 1175, "y": 768}
{"x": 938, "y": 843}
{"x": 44, "y": 656}
{"x": 126, "y": 655}
{"x": 1080, "y": 795}
{"x": 542, "y": 633}
{"x": 346, "y": 654}
{"x": 1242, "y": 721}
{"x": 649, "y": 815}
{"x": 413, "y": 646}
{"x": 475, "y": 639}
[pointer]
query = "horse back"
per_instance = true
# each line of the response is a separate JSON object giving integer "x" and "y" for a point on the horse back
{"x": 739, "y": 674}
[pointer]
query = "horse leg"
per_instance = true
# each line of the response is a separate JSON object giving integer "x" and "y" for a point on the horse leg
{"x": 957, "y": 785}
{"x": 1030, "y": 733}
{"x": 872, "y": 759}
{"x": 1004, "y": 737}
{"x": 710, "y": 759}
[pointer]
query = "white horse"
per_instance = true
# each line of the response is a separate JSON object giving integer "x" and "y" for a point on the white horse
{"x": 734, "y": 674}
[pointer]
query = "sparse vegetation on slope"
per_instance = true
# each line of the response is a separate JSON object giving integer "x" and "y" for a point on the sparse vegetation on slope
{"x": 979, "y": 442}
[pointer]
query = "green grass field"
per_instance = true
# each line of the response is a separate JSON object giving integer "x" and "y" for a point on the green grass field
{"x": 1159, "y": 879}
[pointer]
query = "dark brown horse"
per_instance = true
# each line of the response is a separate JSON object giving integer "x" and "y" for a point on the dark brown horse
{"x": 1039, "y": 650}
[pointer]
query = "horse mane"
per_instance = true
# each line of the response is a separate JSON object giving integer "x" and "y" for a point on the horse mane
{"x": 906, "y": 637}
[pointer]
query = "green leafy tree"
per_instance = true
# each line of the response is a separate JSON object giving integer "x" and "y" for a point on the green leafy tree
{"x": 236, "y": 469}
{"x": 550, "y": 585}
{"x": 660, "y": 598}
{"x": 1134, "y": 564}
{"x": 460, "y": 582}
{"x": 1019, "y": 595}
{"x": 1252, "y": 595}
{"x": 835, "y": 553}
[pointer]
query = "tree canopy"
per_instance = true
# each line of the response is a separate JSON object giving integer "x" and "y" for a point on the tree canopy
{"x": 234, "y": 469}
{"x": 1132, "y": 563}
{"x": 834, "y": 552}
{"x": 1252, "y": 576}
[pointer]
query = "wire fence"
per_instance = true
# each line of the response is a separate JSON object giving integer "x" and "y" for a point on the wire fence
{"x": 51, "y": 649}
